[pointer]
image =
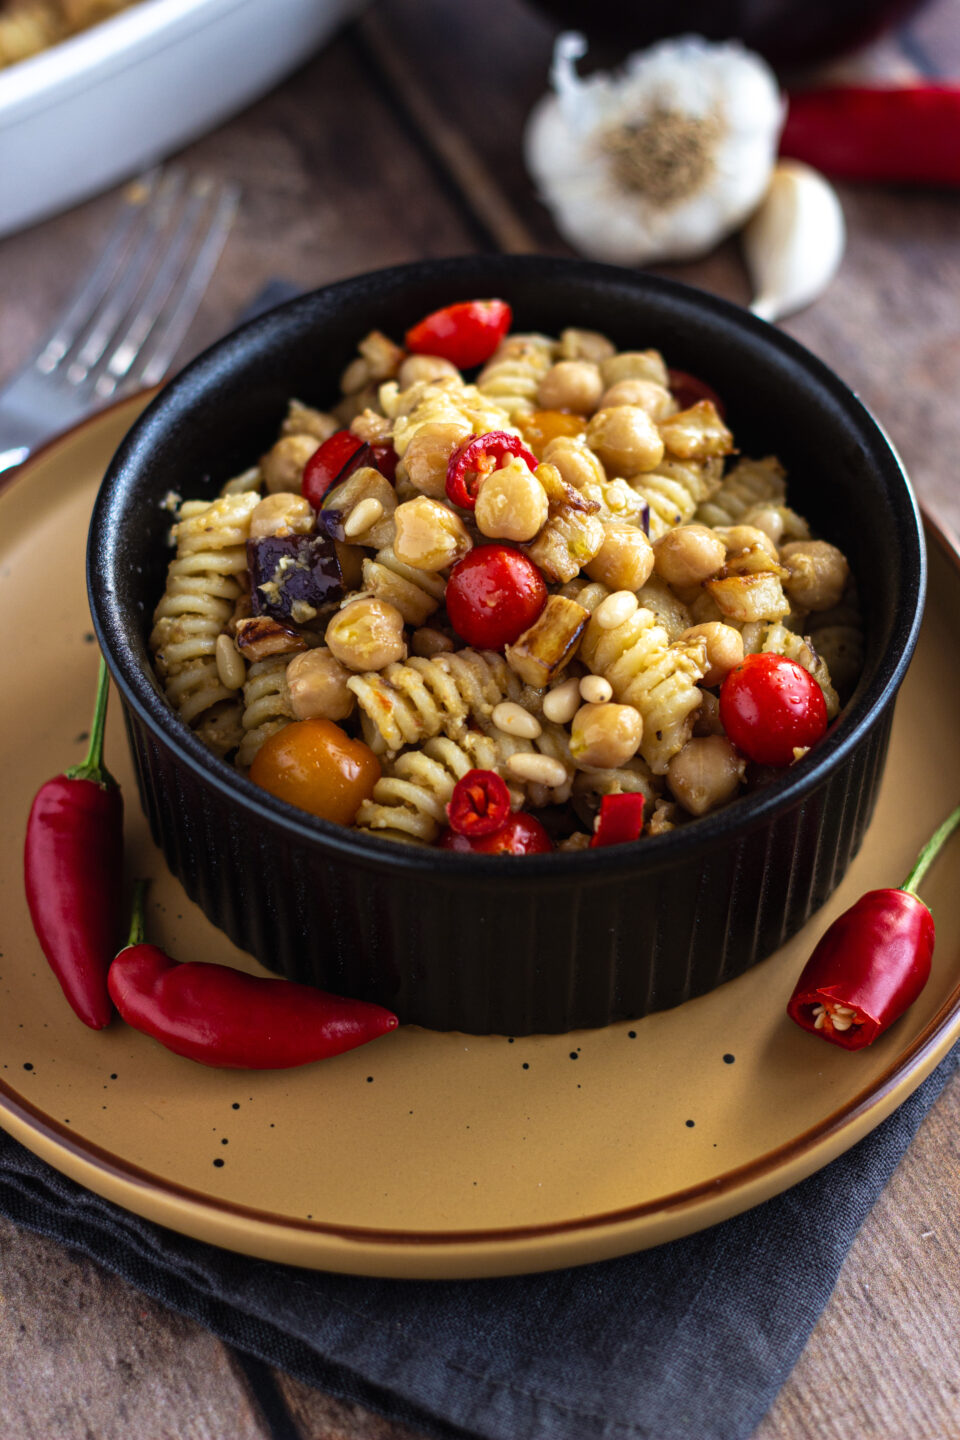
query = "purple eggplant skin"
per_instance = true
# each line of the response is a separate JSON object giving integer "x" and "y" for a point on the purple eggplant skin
{"x": 292, "y": 577}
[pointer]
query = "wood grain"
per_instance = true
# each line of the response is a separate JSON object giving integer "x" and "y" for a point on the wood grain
{"x": 402, "y": 140}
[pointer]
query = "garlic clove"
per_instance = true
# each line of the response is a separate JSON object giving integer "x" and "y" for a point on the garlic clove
{"x": 660, "y": 161}
{"x": 794, "y": 242}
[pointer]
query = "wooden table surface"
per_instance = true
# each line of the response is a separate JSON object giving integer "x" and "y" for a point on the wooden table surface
{"x": 392, "y": 145}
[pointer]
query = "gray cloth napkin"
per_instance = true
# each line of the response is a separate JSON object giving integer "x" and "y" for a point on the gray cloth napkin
{"x": 690, "y": 1341}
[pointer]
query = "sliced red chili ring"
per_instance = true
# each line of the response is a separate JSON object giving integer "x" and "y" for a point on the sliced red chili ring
{"x": 480, "y": 804}
{"x": 620, "y": 820}
{"x": 478, "y": 457}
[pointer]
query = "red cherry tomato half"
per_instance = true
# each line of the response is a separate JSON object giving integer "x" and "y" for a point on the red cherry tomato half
{"x": 521, "y": 835}
{"x": 493, "y": 595}
{"x": 333, "y": 461}
{"x": 466, "y": 334}
{"x": 769, "y": 705}
{"x": 687, "y": 390}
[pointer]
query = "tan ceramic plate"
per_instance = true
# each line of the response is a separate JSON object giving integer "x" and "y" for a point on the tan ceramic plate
{"x": 427, "y": 1154}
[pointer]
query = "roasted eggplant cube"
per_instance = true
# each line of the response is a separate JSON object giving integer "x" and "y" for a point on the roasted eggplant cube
{"x": 551, "y": 642}
{"x": 292, "y": 577}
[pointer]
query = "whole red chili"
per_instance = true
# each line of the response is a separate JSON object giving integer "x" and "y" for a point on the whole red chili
{"x": 73, "y": 869}
{"x": 521, "y": 835}
{"x": 219, "y": 1016}
{"x": 478, "y": 458}
{"x": 466, "y": 334}
{"x": 480, "y": 803}
{"x": 620, "y": 820}
{"x": 873, "y": 961}
{"x": 906, "y": 135}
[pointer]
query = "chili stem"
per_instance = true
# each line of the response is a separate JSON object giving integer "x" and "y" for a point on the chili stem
{"x": 137, "y": 923}
{"x": 930, "y": 851}
{"x": 93, "y": 767}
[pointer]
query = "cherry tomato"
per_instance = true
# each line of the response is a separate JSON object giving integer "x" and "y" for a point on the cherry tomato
{"x": 493, "y": 595}
{"x": 466, "y": 334}
{"x": 385, "y": 459}
{"x": 521, "y": 835}
{"x": 315, "y": 765}
{"x": 542, "y": 426}
{"x": 333, "y": 461}
{"x": 688, "y": 389}
{"x": 769, "y": 705}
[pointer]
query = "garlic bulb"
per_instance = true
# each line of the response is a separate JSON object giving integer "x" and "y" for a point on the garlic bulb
{"x": 794, "y": 243}
{"x": 661, "y": 162}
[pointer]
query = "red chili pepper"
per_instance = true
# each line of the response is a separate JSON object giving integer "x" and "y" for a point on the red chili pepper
{"x": 466, "y": 334}
{"x": 73, "y": 868}
{"x": 873, "y": 961}
{"x": 480, "y": 803}
{"x": 907, "y": 135}
{"x": 219, "y": 1016}
{"x": 335, "y": 459}
{"x": 521, "y": 835}
{"x": 688, "y": 389}
{"x": 479, "y": 457}
{"x": 620, "y": 820}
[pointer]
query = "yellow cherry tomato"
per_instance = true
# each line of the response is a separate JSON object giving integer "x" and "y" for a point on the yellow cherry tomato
{"x": 315, "y": 765}
{"x": 542, "y": 426}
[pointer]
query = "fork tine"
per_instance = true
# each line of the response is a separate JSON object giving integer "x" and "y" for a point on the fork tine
{"x": 192, "y": 284}
{"x": 83, "y": 305}
{"x": 131, "y": 278}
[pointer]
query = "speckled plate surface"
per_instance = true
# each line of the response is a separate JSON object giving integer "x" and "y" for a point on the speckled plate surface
{"x": 427, "y": 1154}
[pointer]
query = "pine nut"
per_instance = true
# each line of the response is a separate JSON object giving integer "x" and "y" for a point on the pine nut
{"x": 615, "y": 609}
{"x": 539, "y": 769}
{"x": 515, "y": 720}
{"x": 362, "y": 516}
{"x": 595, "y": 690}
{"x": 230, "y": 664}
{"x": 562, "y": 702}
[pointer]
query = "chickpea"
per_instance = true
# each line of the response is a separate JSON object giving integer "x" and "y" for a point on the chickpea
{"x": 426, "y": 457}
{"x": 571, "y": 385}
{"x": 281, "y": 513}
{"x": 367, "y": 634}
{"x": 316, "y": 684}
{"x": 425, "y": 367}
{"x": 586, "y": 345}
{"x": 624, "y": 560}
{"x": 426, "y": 642}
{"x": 626, "y": 439}
{"x": 706, "y": 773}
{"x": 706, "y": 717}
{"x": 647, "y": 394}
{"x": 688, "y": 554}
{"x": 818, "y": 573}
{"x": 769, "y": 519}
{"x": 429, "y": 536}
{"x": 739, "y": 538}
{"x": 578, "y": 466}
{"x": 724, "y": 649}
{"x": 605, "y": 736}
{"x": 635, "y": 365}
{"x": 305, "y": 420}
{"x": 282, "y": 466}
{"x": 512, "y": 504}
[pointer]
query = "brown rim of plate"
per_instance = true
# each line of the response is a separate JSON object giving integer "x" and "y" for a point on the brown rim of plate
{"x": 936, "y": 1035}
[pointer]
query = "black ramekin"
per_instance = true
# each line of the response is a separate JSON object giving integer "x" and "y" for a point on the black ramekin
{"x": 505, "y": 944}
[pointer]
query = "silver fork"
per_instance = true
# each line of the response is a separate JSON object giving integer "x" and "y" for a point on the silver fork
{"x": 126, "y": 321}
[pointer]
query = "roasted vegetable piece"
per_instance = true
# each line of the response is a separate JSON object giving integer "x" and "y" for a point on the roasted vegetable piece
{"x": 293, "y": 576}
{"x": 343, "y": 500}
{"x": 260, "y": 636}
{"x": 550, "y": 643}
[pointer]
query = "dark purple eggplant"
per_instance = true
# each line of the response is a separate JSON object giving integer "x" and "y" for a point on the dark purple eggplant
{"x": 292, "y": 577}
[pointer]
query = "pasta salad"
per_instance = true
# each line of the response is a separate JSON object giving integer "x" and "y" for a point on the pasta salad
{"x": 511, "y": 593}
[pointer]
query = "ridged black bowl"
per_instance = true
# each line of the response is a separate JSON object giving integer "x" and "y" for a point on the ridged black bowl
{"x": 506, "y": 944}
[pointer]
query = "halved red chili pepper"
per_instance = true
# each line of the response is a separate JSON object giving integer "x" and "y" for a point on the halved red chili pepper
{"x": 335, "y": 459}
{"x": 466, "y": 334}
{"x": 620, "y": 820}
{"x": 480, "y": 803}
{"x": 688, "y": 389}
{"x": 218, "y": 1016}
{"x": 479, "y": 457}
{"x": 872, "y": 962}
{"x": 73, "y": 870}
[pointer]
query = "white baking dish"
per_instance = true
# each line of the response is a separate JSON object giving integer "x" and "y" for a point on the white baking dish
{"x": 97, "y": 108}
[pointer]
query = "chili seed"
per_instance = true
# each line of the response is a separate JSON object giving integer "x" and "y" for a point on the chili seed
{"x": 617, "y": 608}
{"x": 230, "y": 663}
{"x": 515, "y": 720}
{"x": 539, "y": 769}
